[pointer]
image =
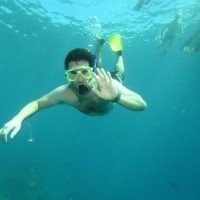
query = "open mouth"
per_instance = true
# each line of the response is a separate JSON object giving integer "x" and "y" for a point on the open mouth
{"x": 82, "y": 89}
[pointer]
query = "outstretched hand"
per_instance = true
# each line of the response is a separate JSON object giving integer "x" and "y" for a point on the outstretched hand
{"x": 105, "y": 89}
{"x": 14, "y": 125}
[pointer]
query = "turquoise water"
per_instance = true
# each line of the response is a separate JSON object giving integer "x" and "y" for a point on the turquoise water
{"x": 61, "y": 154}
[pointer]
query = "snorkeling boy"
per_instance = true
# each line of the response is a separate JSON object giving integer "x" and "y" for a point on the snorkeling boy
{"x": 89, "y": 92}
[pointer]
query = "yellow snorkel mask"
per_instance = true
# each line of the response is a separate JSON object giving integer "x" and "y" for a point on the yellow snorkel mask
{"x": 72, "y": 74}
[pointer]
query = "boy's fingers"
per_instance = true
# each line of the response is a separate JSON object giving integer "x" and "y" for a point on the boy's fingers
{"x": 4, "y": 138}
{"x": 15, "y": 131}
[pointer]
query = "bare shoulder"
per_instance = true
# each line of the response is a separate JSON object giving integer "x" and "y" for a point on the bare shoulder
{"x": 60, "y": 89}
{"x": 60, "y": 94}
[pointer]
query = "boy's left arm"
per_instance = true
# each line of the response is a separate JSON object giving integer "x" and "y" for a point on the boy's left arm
{"x": 130, "y": 99}
{"x": 110, "y": 89}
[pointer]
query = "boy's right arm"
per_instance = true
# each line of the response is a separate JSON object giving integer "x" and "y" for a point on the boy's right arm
{"x": 31, "y": 108}
{"x": 14, "y": 125}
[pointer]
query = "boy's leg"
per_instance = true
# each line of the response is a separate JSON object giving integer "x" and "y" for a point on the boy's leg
{"x": 119, "y": 67}
{"x": 118, "y": 73}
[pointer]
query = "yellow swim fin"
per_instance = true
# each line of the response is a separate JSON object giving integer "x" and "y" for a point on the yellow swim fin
{"x": 115, "y": 42}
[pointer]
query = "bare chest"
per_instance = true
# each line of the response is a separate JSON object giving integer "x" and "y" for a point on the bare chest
{"x": 94, "y": 106}
{"x": 89, "y": 104}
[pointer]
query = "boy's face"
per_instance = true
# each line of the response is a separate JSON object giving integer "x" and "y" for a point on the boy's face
{"x": 80, "y": 74}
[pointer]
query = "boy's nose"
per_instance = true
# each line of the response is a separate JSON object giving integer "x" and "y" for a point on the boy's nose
{"x": 80, "y": 78}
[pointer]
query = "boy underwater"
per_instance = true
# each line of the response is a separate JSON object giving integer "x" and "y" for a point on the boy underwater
{"x": 91, "y": 90}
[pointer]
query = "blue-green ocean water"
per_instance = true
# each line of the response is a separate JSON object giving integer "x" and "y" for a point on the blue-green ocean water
{"x": 150, "y": 155}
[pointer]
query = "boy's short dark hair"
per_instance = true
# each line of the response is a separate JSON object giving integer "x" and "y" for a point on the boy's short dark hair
{"x": 77, "y": 55}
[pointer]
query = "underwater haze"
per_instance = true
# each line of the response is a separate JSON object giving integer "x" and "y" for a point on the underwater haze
{"x": 62, "y": 154}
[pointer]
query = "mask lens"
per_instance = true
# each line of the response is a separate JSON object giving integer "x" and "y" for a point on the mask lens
{"x": 86, "y": 73}
{"x": 72, "y": 74}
